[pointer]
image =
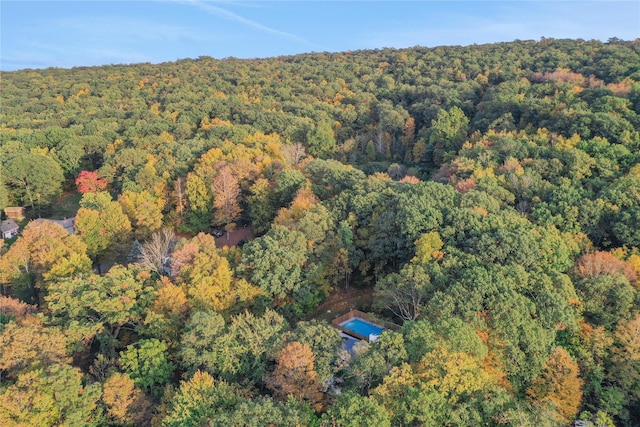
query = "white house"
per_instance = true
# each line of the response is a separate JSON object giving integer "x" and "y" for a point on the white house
{"x": 9, "y": 228}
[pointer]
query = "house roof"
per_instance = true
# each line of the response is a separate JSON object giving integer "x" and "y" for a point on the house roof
{"x": 67, "y": 223}
{"x": 9, "y": 225}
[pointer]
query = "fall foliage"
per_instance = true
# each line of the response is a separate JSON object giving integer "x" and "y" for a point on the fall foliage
{"x": 294, "y": 374}
{"x": 482, "y": 201}
{"x": 90, "y": 182}
{"x": 559, "y": 384}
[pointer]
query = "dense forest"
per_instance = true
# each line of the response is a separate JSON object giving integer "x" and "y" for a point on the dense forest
{"x": 485, "y": 199}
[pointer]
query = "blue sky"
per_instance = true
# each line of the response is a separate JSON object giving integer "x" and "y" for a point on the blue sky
{"x": 40, "y": 34}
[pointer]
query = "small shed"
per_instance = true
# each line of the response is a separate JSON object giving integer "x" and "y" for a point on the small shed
{"x": 14, "y": 212}
{"x": 9, "y": 228}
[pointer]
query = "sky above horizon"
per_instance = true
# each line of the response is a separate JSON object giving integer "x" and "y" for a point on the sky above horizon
{"x": 41, "y": 34}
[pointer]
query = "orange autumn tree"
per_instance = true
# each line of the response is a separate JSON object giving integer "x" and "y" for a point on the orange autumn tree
{"x": 559, "y": 384}
{"x": 226, "y": 191}
{"x": 295, "y": 374}
{"x": 14, "y": 308}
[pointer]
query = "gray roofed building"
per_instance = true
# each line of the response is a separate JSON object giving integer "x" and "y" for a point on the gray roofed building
{"x": 67, "y": 223}
{"x": 9, "y": 228}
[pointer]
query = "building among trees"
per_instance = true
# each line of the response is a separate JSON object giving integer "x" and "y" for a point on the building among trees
{"x": 9, "y": 229}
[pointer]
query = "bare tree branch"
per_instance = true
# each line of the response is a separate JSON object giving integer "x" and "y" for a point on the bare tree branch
{"x": 155, "y": 253}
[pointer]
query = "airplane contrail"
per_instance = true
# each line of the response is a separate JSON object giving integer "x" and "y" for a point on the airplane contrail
{"x": 218, "y": 11}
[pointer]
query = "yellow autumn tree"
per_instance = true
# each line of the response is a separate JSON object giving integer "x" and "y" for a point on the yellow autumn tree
{"x": 144, "y": 211}
{"x": 170, "y": 300}
{"x": 443, "y": 382}
{"x": 558, "y": 384}
{"x": 126, "y": 404}
{"x": 454, "y": 374}
{"x": 428, "y": 248}
{"x": 30, "y": 345}
{"x": 207, "y": 276}
{"x": 304, "y": 201}
{"x": 169, "y": 311}
{"x": 44, "y": 251}
{"x": 295, "y": 375}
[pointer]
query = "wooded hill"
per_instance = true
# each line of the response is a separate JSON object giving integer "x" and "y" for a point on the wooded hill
{"x": 488, "y": 195}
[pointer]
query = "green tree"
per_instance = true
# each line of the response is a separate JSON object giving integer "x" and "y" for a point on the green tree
{"x": 404, "y": 293}
{"x": 199, "y": 400}
{"x": 325, "y": 343}
{"x": 261, "y": 205}
{"x": 33, "y": 178}
{"x": 199, "y": 203}
{"x": 348, "y": 255}
{"x": 373, "y": 361}
{"x": 275, "y": 261}
{"x": 101, "y": 224}
{"x": 147, "y": 364}
{"x": 624, "y": 194}
{"x": 321, "y": 140}
{"x": 353, "y": 410}
{"x": 265, "y": 411}
{"x": 92, "y": 305}
{"x": 288, "y": 183}
{"x": 607, "y": 299}
{"x": 201, "y": 347}
{"x": 238, "y": 350}
{"x": 447, "y": 133}
{"x": 4, "y": 193}
{"x": 329, "y": 177}
{"x": 69, "y": 155}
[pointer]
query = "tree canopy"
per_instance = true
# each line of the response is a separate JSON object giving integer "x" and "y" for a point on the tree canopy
{"x": 485, "y": 199}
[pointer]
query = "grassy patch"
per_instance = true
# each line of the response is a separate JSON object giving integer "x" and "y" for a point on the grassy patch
{"x": 66, "y": 206}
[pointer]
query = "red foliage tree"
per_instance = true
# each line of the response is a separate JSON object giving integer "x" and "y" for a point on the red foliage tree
{"x": 89, "y": 182}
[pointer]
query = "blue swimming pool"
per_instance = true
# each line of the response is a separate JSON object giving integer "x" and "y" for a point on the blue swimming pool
{"x": 361, "y": 327}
